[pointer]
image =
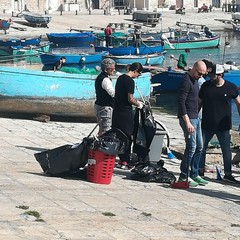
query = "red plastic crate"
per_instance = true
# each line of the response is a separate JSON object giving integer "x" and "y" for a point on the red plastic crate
{"x": 100, "y": 167}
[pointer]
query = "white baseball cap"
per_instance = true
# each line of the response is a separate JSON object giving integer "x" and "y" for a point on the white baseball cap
{"x": 217, "y": 69}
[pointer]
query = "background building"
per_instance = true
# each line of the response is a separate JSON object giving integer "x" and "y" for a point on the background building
{"x": 73, "y": 5}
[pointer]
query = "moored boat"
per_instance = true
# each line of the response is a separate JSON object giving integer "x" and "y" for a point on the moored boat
{"x": 36, "y": 18}
{"x": 54, "y": 93}
{"x": 81, "y": 58}
{"x": 146, "y": 59}
{"x": 20, "y": 41}
{"x": 170, "y": 80}
{"x": 131, "y": 50}
{"x": 70, "y": 39}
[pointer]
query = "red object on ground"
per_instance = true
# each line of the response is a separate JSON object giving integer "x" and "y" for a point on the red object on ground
{"x": 180, "y": 185}
{"x": 100, "y": 167}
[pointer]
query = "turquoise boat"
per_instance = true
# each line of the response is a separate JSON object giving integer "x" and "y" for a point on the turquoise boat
{"x": 27, "y": 53}
{"x": 192, "y": 43}
{"x": 54, "y": 93}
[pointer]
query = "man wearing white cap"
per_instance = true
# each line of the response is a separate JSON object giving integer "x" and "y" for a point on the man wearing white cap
{"x": 217, "y": 95}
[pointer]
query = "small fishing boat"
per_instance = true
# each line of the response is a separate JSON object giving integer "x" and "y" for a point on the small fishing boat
{"x": 54, "y": 93}
{"x": 184, "y": 35}
{"x": 20, "y": 41}
{"x": 17, "y": 53}
{"x": 131, "y": 50}
{"x": 36, "y": 19}
{"x": 70, "y": 39}
{"x": 170, "y": 80}
{"x": 81, "y": 58}
{"x": 146, "y": 59}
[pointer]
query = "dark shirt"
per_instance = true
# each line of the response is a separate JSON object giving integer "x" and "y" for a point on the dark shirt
{"x": 122, "y": 111}
{"x": 58, "y": 65}
{"x": 188, "y": 97}
{"x": 217, "y": 105}
{"x": 124, "y": 85}
{"x": 102, "y": 96}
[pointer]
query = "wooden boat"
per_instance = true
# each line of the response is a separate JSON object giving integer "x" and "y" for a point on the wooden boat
{"x": 17, "y": 53}
{"x": 71, "y": 39}
{"x": 147, "y": 59}
{"x": 184, "y": 35}
{"x": 54, "y": 93}
{"x": 81, "y": 58}
{"x": 36, "y": 19}
{"x": 170, "y": 80}
{"x": 174, "y": 39}
{"x": 192, "y": 41}
{"x": 20, "y": 41}
{"x": 131, "y": 50}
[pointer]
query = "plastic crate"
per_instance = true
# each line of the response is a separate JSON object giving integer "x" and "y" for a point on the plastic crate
{"x": 100, "y": 167}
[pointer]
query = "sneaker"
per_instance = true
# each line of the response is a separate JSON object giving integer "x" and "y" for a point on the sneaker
{"x": 124, "y": 165}
{"x": 200, "y": 181}
{"x": 192, "y": 183}
{"x": 230, "y": 178}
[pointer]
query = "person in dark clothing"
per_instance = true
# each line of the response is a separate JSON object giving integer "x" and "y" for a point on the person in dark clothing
{"x": 104, "y": 96}
{"x": 190, "y": 124}
{"x": 217, "y": 95}
{"x": 136, "y": 38}
{"x": 59, "y": 64}
{"x": 123, "y": 112}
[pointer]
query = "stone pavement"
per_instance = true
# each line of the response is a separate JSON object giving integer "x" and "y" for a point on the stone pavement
{"x": 74, "y": 209}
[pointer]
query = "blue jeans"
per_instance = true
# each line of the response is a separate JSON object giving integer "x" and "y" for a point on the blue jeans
{"x": 193, "y": 149}
{"x": 224, "y": 141}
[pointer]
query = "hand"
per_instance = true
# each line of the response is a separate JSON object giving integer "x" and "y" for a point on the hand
{"x": 140, "y": 104}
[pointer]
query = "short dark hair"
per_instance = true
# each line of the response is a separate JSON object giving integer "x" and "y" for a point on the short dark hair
{"x": 136, "y": 66}
{"x": 208, "y": 63}
{"x": 187, "y": 50}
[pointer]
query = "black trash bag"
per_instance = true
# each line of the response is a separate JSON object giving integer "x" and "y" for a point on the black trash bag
{"x": 165, "y": 177}
{"x": 112, "y": 142}
{"x": 64, "y": 159}
{"x": 144, "y": 131}
{"x": 145, "y": 172}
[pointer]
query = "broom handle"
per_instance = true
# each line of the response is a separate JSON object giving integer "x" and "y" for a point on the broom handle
{"x": 140, "y": 93}
{"x": 92, "y": 130}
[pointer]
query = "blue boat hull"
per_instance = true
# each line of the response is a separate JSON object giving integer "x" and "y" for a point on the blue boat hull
{"x": 85, "y": 58}
{"x": 20, "y": 42}
{"x": 71, "y": 39}
{"x": 130, "y": 50}
{"x": 53, "y": 93}
{"x": 170, "y": 80}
